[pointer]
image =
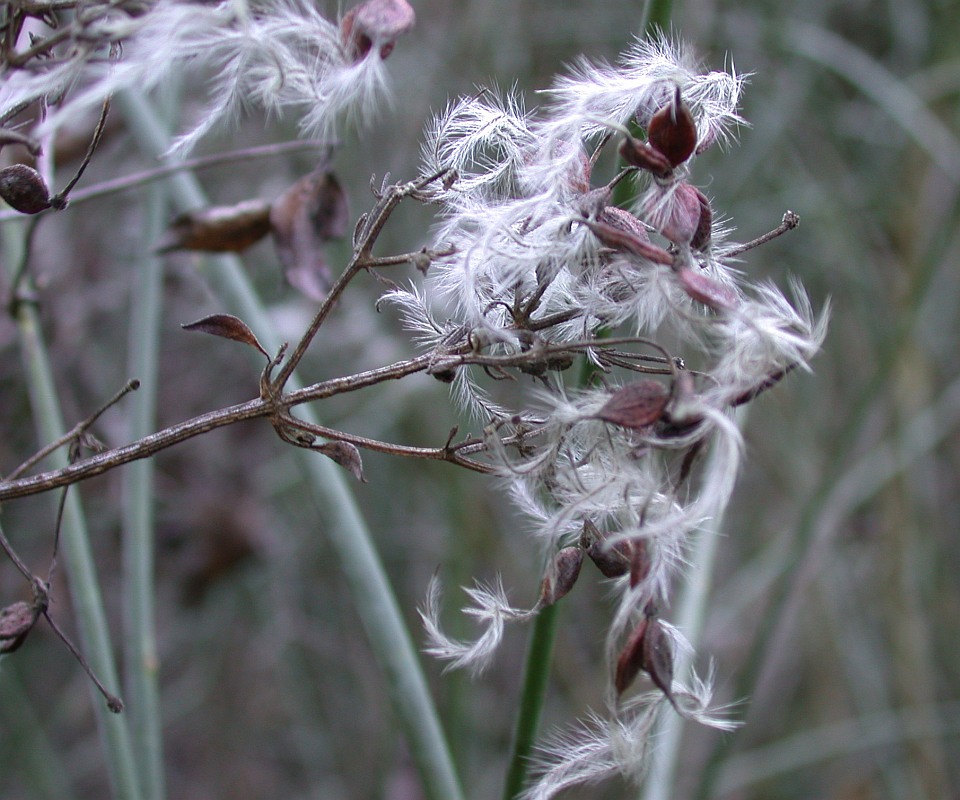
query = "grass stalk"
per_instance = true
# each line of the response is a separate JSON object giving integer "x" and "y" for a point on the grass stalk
{"x": 691, "y": 613}
{"x": 344, "y": 525}
{"x": 142, "y": 680}
{"x": 75, "y": 547}
{"x": 39, "y": 764}
{"x": 536, "y": 671}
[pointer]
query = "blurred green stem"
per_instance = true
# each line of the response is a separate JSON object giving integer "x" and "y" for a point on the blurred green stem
{"x": 39, "y": 764}
{"x": 74, "y": 540}
{"x": 655, "y": 15}
{"x": 536, "y": 670}
{"x": 691, "y": 612}
{"x": 371, "y": 591}
{"x": 140, "y": 648}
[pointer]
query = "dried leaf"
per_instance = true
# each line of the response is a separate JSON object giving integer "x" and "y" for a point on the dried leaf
{"x": 631, "y": 659}
{"x": 706, "y": 290}
{"x": 561, "y": 575}
{"x": 375, "y": 23}
{"x": 346, "y": 455}
{"x": 673, "y": 132}
{"x": 637, "y": 405}
{"x": 24, "y": 189}
{"x": 310, "y": 213}
{"x": 227, "y": 326}
{"x": 218, "y": 229}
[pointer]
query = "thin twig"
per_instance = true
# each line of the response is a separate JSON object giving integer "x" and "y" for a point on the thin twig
{"x": 114, "y": 703}
{"x": 790, "y": 221}
{"x": 368, "y": 234}
{"x": 138, "y": 179}
{"x": 75, "y": 432}
{"x": 445, "y": 453}
{"x": 59, "y": 200}
{"x": 150, "y": 445}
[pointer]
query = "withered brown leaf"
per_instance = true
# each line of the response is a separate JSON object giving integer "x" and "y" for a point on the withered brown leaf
{"x": 218, "y": 229}
{"x": 227, "y": 326}
{"x": 346, "y": 455}
{"x": 311, "y": 212}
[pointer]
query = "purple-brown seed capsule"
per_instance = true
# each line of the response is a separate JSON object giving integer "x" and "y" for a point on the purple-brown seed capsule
{"x": 24, "y": 189}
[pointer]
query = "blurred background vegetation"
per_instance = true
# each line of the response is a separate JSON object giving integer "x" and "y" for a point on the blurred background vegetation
{"x": 833, "y": 618}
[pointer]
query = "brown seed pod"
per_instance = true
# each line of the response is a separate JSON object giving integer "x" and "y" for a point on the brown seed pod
{"x": 676, "y": 212}
{"x": 637, "y": 405}
{"x": 375, "y": 22}
{"x": 673, "y": 131}
{"x": 703, "y": 234}
{"x": 24, "y": 189}
{"x": 642, "y": 155}
{"x": 561, "y": 575}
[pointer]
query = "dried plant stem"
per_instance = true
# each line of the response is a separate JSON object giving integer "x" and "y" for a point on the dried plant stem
{"x": 139, "y": 179}
{"x": 153, "y": 443}
{"x": 84, "y": 585}
{"x": 344, "y": 526}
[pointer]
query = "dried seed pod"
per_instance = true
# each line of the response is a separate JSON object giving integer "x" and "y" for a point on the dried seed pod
{"x": 227, "y": 326}
{"x": 626, "y": 241}
{"x": 612, "y": 561}
{"x": 637, "y": 405}
{"x": 623, "y": 220}
{"x": 346, "y": 455}
{"x": 561, "y": 575}
{"x": 640, "y": 154}
{"x": 704, "y": 232}
{"x": 24, "y": 189}
{"x": 706, "y": 290}
{"x": 675, "y": 212}
{"x": 16, "y": 622}
{"x": 658, "y": 657}
{"x": 631, "y": 659}
{"x": 640, "y": 562}
{"x": 673, "y": 132}
{"x": 375, "y": 22}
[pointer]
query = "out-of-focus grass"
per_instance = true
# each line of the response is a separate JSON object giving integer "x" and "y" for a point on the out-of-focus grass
{"x": 833, "y": 617}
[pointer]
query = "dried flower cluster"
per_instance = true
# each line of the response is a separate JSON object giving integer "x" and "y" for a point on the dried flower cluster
{"x": 542, "y": 262}
{"x": 535, "y": 264}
